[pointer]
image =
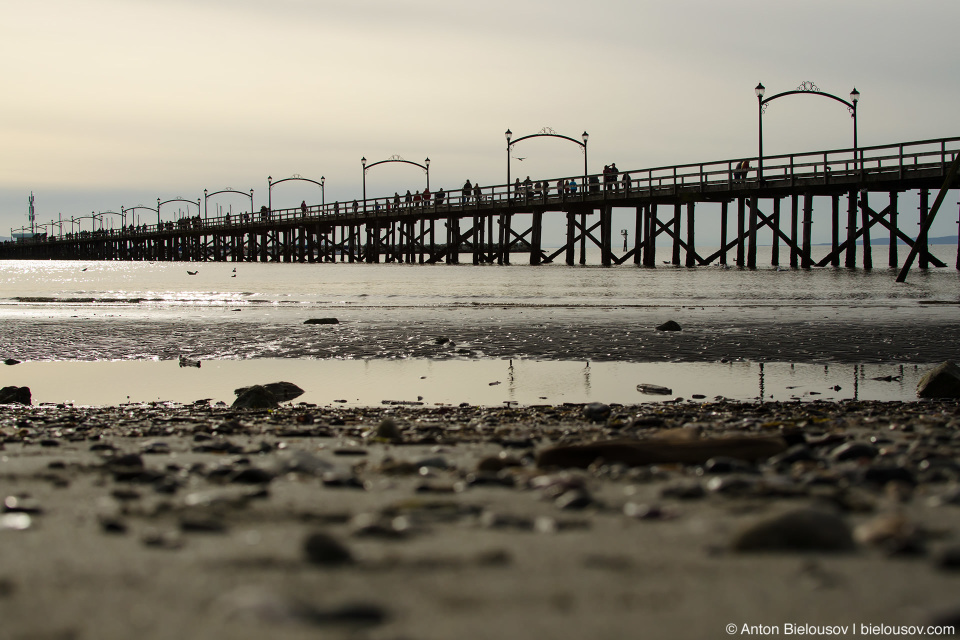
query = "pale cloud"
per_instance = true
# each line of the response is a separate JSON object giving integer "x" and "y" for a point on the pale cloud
{"x": 172, "y": 96}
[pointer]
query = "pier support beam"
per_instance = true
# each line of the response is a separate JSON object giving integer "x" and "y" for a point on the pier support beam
{"x": 805, "y": 260}
{"x": 691, "y": 260}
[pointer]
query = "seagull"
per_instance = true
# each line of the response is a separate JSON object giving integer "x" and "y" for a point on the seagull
{"x": 192, "y": 273}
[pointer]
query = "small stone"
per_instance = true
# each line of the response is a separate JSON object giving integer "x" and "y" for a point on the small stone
{"x": 321, "y": 321}
{"x": 949, "y": 558}
{"x": 797, "y": 530}
{"x": 854, "y": 451}
{"x": 573, "y": 499}
{"x": 670, "y": 325}
{"x": 596, "y": 412}
{"x": 251, "y": 475}
{"x": 892, "y": 532}
{"x": 654, "y": 390}
{"x": 323, "y": 549}
{"x": 389, "y": 430}
{"x": 11, "y": 361}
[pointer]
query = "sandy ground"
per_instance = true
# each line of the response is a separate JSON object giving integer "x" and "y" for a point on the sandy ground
{"x": 397, "y": 523}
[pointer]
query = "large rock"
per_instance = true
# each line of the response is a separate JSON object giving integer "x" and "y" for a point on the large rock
{"x": 941, "y": 382}
{"x": 281, "y": 391}
{"x": 15, "y": 395}
{"x": 255, "y": 397}
{"x": 321, "y": 321}
{"x": 669, "y": 325}
{"x": 659, "y": 451}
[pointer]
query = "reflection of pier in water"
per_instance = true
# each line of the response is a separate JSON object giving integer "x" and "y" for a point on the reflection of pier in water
{"x": 494, "y": 223}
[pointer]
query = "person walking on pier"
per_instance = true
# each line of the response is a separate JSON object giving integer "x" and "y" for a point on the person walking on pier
{"x": 740, "y": 173}
{"x": 626, "y": 183}
{"x": 426, "y": 197}
{"x": 467, "y": 189}
{"x": 477, "y": 193}
{"x": 440, "y": 196}
{"x": 416, "y": 198}
{"x": 614, "y": 176}
{"x": 303, "y": 208}
{"x": 408, "y": 199}
{"x": 396, "y": 200}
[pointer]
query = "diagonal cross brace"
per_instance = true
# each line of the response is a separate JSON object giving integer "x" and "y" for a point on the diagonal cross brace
{"x": 951, "y": 176}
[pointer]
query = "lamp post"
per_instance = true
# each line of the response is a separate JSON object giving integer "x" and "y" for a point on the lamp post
{"x": 363, "y": 161}
{"x": 269, "y": 195}
{"x": 509, "y": 135}
{"x": 427, "y": 164}
{"x": 585, "y": 136}
{"x": 759, "y": 89}
{"x": 323, "y": 192}
{"x": 808, "y": 88}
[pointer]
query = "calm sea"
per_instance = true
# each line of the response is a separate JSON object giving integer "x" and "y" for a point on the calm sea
{"x": 105, "y": 332}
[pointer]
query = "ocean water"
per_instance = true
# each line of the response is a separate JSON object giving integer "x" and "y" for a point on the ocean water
{"x": 110, "y": 332}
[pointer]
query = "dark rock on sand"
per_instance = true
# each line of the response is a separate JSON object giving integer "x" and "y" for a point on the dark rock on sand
{"x": 15, "y": 395}
{"x": 281, "y": 391}
{"x": 948, "y": 558}
{"x": 797, "y": 530}
{"x": 321, "y": 321}
{"x": 323, "y": 549}
{"x": 11, "y": 361}
{"x": 943, "y": 381}
{"x": 657, "y": 451}
{"x": 670, "y": 325}
{"x": 654, "y": 389}
{"x": 596, "y": 412}
{"x": 256, "y": 397}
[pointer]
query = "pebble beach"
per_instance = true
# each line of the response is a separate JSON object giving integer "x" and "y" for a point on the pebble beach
{"x": 204, "y": 521}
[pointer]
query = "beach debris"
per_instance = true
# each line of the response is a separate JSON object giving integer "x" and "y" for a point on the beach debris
{"x": 654, "y": 389}
{"x": 187, "y": 362}
{"x": 943, "y": 381}
{"x": 323, "y": 549}
{"x": 321, "y": 321}
{"x": 192, "y": 273}
{"x": 802, "y": 529}
{"x": 15, "y": 395}
{"x": 660, "y": 451}
{"x": 669, "y": 325}
{"x": 11, "y": 361}
{"x": 596, "y": 411}
{"x": 887, "y": 378}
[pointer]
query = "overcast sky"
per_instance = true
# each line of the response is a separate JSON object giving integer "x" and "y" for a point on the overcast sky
{"x": 112, "y": 103}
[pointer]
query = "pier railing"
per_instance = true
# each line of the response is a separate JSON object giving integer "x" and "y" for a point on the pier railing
{"x": 840, "y": 166}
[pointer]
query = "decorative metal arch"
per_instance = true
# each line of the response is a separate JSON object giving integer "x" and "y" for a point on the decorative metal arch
{"x": 809, "y": 88}
{"x": 271, "y": 184}
{"x": 547, "y": 132}
{"x": 394, "y": 158}
{"x": 207, "y": 196}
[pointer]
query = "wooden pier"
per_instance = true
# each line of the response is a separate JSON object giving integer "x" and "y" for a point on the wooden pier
{"x": 505, "y": 221}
